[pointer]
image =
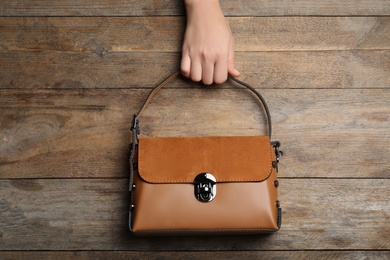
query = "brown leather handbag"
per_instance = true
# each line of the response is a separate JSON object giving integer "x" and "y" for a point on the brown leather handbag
{"x": 227, "y": 185}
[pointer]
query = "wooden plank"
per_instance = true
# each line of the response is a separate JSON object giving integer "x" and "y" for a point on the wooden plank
{"x": 91, "y": 214}
{"x": 85, "y": 133}
{"x": 319, "y": 69}
{"x": 166, "y": 7}
{"x": 304, "y": 255}
{"x": 165, "y": 34}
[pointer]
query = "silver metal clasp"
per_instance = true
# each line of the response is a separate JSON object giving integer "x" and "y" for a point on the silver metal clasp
{"x": 205, "y": 187}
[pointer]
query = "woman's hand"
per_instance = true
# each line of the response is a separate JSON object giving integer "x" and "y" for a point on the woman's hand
{"x": 208, "y": 48}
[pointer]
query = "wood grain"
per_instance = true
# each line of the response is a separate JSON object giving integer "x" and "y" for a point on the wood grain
{"x": 74, "y": 72}
{"x": 165, "y": 34}
{"x": 87, "y": 214}
{"x": 262, "y": 255}
{"x": 276, "y": 70}
{"x": 85, "y": 133}
{"x": 173, "y": 7}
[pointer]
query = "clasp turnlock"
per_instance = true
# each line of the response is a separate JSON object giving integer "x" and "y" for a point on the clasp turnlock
{"x": 205, "y": 186}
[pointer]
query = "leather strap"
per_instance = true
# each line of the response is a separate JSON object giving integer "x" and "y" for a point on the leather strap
{"x": 135, "y": 126}
{"x": 262, "y": 102}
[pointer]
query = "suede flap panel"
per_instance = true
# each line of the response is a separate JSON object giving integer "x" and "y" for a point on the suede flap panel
{"x": 227, "y": 158}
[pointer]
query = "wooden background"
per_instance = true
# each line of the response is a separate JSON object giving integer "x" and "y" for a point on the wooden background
{"x": 72, "y": 74}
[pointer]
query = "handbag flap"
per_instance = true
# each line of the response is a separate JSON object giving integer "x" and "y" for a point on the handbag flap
{"x": 227, "y": 158}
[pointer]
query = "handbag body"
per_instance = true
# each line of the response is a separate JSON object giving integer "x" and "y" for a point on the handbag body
{"x": 203, "y": 185}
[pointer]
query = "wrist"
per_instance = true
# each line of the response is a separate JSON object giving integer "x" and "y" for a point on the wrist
{"x": 192, "y": 5}
{"x": 203, "y": 10}
{"x": 189, "y": 3}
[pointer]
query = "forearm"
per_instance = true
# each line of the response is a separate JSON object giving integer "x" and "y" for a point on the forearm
{"x": 203, "y": 11}
{"x": 201, "y": 5}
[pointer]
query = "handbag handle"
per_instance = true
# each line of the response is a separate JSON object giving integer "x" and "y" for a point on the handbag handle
{"x": 135, "y": 124}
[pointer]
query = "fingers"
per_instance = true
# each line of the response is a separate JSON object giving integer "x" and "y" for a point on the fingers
{"x": 220, "y": 71}
{"x": 209, "y": 68}
{"x": 185, "y": 65}
{"x": 197, "y": 69}
{"x": 232, "y": 69}
{"x": 231, "y": 66}
{"x": 208, "y": 72}
{"x": 191, "y": 68}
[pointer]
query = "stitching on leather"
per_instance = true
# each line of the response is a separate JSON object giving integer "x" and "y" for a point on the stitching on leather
{"x": 150, "y": 180}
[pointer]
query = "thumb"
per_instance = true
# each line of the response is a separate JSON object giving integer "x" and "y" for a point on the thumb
{"x": 231, "y": 66}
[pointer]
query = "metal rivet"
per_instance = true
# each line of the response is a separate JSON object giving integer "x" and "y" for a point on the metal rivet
{"x": 132, "y": 206}
{"x": 277, "y": 204}
{"x": 276, "y": 183}
{"x": 133, "y": 187}
{"x": 135, "y": 166}
{"x": 274, "y": 164}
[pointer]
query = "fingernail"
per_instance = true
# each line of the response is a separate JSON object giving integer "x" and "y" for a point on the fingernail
{"x": 236, "y": 71}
